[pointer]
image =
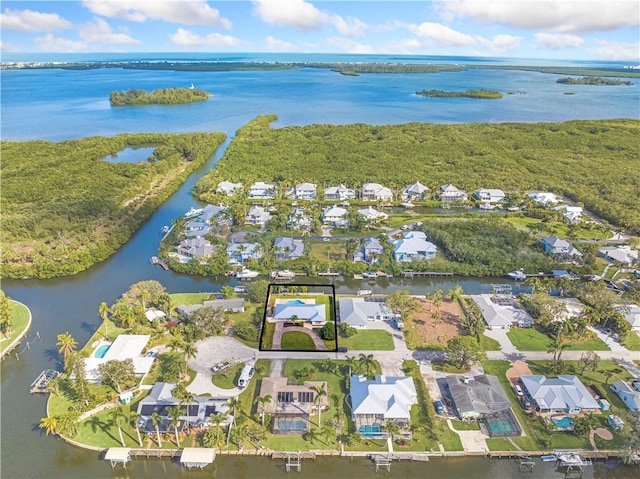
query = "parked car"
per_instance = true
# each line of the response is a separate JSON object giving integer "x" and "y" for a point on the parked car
{"x": 519, "y": 390}
{"x": 342, "y": 349}
{"x": 606, "y": 331}
{"x": 439, "y": 407}
{"x": 615, "y": 336}
{"x": 527, "y": 404}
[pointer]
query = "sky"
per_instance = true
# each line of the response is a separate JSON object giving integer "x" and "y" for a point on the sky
{"x": 552, "y": 29}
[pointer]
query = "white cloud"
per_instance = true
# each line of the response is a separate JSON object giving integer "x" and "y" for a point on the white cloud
{"x": 501, "y": 43}
{"x": 558, "y": 41}
{"x": 404, "y": 46}
{"x": 30, "y": 21}
{"x": 276, "y": 45}
{"x": 99, "y": 31}
{"x": 192, "y": 12}
{"x": 563, "y": 16}
{"x": 186, "y": 38}
{"x": 304, "y": 16}
{"x": 442, "y": 34}
{"x": 616, "y": 51}
{"x": 51, "y": 43}
{"x": 350, "y": 46}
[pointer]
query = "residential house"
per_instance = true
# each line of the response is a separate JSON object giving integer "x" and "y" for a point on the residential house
{"x": 450, "y": 193}
{"x": 340, "y": 193}
{"x": 385, "y": 398}
{"x": 376, "y": 192}
{"x": 228, "y": 188}
{"x": 560, "y": 249}
{"x": 234, "y": 305}
{"x": 489, "y": 195}
{"x": 629, "y": 393}
{"x": 371, "y": 250}
{"x": 631, "y": 313}
{"x": 414, "y": 191}
{"x": 288, "y": 248}
{"x": 242, "y": 252}
{"x": 305, "y": 191}
{"x": 371, "y": 215}
{"x": 125, "y": 346}
{"x": 299, "y": 220}
{"x": 500, "y": 312}
{"x": 357, "y": 312}
{"x": 566, "y": 394}
{"x": 154, "y": 314}
{"x": 543, "y": 197}
{"x": 257, "y": 216}
{"x": 316, "y": 314}
{"x": 263, "y": 191}
{"x": 619, "y": 254}
{"x": 412, "y": 247}
{"x": 195, "y": 248}
{"x": 201, "y": 224}
{"x": 292, "y": 405}
{"x": 572, "y": 214}
{"x": 195, "y": 413}
{"x": 335, "y": 216}
{"x": 476, "y": 396}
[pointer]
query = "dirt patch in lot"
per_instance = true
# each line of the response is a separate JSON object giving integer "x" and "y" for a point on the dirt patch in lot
{"x": 430, "y": 331}
{"x": 519, "y": 368}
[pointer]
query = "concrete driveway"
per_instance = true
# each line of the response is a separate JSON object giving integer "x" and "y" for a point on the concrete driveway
{"x": 472, "y": 441}
{"x": 608, "y": 340}
{"x": 214, "y": 349}
{"x": 500, "y": 335}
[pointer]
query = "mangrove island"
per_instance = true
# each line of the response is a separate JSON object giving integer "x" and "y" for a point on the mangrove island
{"x": 161, "y": 96}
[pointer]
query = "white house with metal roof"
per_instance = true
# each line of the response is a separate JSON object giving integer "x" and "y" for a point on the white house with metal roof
{"x": 489, "y": 195}
{"x": 125, "y": 346}
{"x": 228, "y": 188}
{"x": 560, "y": 248}
{"x": 501, "y": 313}
{"x": 629, "y": 393}
{"x": 371, "y": 215}
{"x": 566, "y": 393}
{"x": 335, "y": 216}
{"x": 262, "y": 190}
{"x": 413, "y": 246}
{"x": 357, "y": 312}
{"x": 376, "y": 192}
{"x": 339, "y": 192}
{"x": 201, "y": 224}
{"x": 305, "y": 191}
{"x": 449, "y": 192}
{"x": 544, "y": 197}
{"x": 316, "y": 314}
{"x": 257, "y": 216}
{"x": 631, "y": 313}
{"x": 620, "y": 254}
{"x": 414, "y": 191}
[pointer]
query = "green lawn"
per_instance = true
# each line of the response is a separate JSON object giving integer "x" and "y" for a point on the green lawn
{"x": 368, "y": 339}
{"x": 328, "y": 251}
{"x": 531, "y": 339}
{"x": 228, "y": 379}
{"x": 499, "y": 444}
{"x": 294, "y": 340}
{"x": 489, "y": 344}
{"x": 19, "y": 321}
{"x": 465, "y": 425}
{"x": 178, "y": 299}
{"x": 106, "y": 330}
{"x": 632, "y": 341}
{"x": 267, "y": 335}
{"x": 445, "y": 367}
{"x": 556, "y": 228}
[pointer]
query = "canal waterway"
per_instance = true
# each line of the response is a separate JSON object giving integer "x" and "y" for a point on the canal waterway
{"x": 40, "y": 105}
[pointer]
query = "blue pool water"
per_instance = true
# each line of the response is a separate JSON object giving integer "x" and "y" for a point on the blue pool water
{"x": 102, "y": 350}
{"x": 371, "y": 429}
{"x": 563, "y": 423}
{"x": 292, "y": 426}
{"x": 295, "y": 301}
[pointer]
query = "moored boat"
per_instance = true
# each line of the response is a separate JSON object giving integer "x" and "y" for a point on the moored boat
{"x": 517, "y": 275}
{"x": 246, "y": 274}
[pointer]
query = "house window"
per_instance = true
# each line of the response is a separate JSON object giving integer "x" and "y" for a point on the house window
{"x": 285, "y": 396}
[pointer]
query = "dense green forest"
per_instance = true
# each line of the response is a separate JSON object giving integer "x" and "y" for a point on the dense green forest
{"x": 594, "y": 162}
{"x": 64, "y": 208}
{"x": 161, "y": 96}
{"x": 484, "y": 94}
{"x": 592, "y": 81}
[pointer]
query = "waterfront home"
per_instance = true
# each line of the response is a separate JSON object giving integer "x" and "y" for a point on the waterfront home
{"x": 316, "y": 314}
{"x": 370, "y": 251}
{"x": 125, "y": 346}
{"x": 412, "y": 247}
{"x": 376, "y": 192}
{"x": 340, "y": 193}
{"x": 262, "y": 191}
{"x": 201, "y": 224}
{"x": 566, "y": 394}
{"x": 489, "y": 195}
{"x": 501, "y": 312}
{"x": 298, "y": 219}
{"x": 450, "y": 193}
{"x": 475, "y": 396}
{"x": 371, "y": 215}
{"x": 195, "y": 248}
{"x": 154, "y": 314}
{"x": 560, "y": 249}
{"x": 414, "y": 191}
{"x": 572, "y": 214}
{"x": 291, "y": 405}
{"x": 195, "y": 413}
{"x": 631, "y": 314}
{"x": 288, "y": 248}
{"x": 619, "y": 254}
{"x": 629, "y": 393}
{"x": 234, "y": 305}
{"x": 385, "y": 398}
{"x": 242, "y": 252}
{"x": 544, "y": 197}
{"x": 257, "y": 216}
{"x": 357, "y": 312}
{"x": 228, "y": 188}
{"x": 305, "y": 191}
{"x": 335, "y": 216}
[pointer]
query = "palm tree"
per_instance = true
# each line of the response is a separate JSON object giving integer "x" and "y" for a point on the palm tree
{"x": 104, "y": 311}
{"x": 351, "y": 362}
{"x": 391, "y": 428}
{"x": 261, "y": 401}
{"x": 235, "y": 406}
{"x": 156, "y": 420}
{"x": 118, "y": 417}
{"x": 176, "y": 344}
{"x": 134, "y": 420}
{"x": 317, "y": 400}
{"x": 174, "y": 413}
{"x": 50, "y": 425}
{"x": 53, "y": 386}
{"x": 367, "y": 363}
{"x": 66, "y": 344}
{"x": 190, "y": 350}
{"x": 455, "y": 293}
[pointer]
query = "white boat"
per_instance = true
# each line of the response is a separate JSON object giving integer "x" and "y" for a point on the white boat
{"x": 193, "y": 212}
{"x": 408, "y": 205}
{"x": 284, "y": 274}
{"x": 192, "y": 87}
{"x": 486, "y": 206}
{"x": 247, "y": 274}
{"x": 570, "y": 459}
{"x": 370, "y": 275}
{"x": 517, "y": 275}
{"x": 364, "y": 292}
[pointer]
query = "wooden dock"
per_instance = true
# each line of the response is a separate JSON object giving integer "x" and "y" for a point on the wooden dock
{"x": 160, "y": 262}
{"x": 41, "y": 383}
{"x": 411, "y": 274}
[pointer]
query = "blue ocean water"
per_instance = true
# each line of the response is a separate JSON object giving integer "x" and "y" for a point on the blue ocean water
{"x": 55, "y": 104}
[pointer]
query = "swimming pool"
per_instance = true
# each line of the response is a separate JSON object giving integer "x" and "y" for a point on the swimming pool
{"x": 563, "y": 422}
{"x": 370, "y": 430}
{"x": 501, "y": 427}
{"x": 102, "y": 350}
{"x": 291, "y": 426}
{"x": 295, "y": 301}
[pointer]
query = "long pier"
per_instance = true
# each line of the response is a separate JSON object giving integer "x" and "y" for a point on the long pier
{"x": 411, "y": 274}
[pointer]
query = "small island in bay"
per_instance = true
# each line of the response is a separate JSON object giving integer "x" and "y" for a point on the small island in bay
{"x": 592, "y": 81}
{"x": 161, "y": 96}
{"x": 486, "y": 94}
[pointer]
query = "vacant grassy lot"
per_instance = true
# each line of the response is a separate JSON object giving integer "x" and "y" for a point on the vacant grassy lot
{"x": 293, "y": 340}
{"x": 531, "y": 339}
{"x": 178, "y": 299}
{"x": 373, "y": 339}
{"x": 328, "y": 250}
